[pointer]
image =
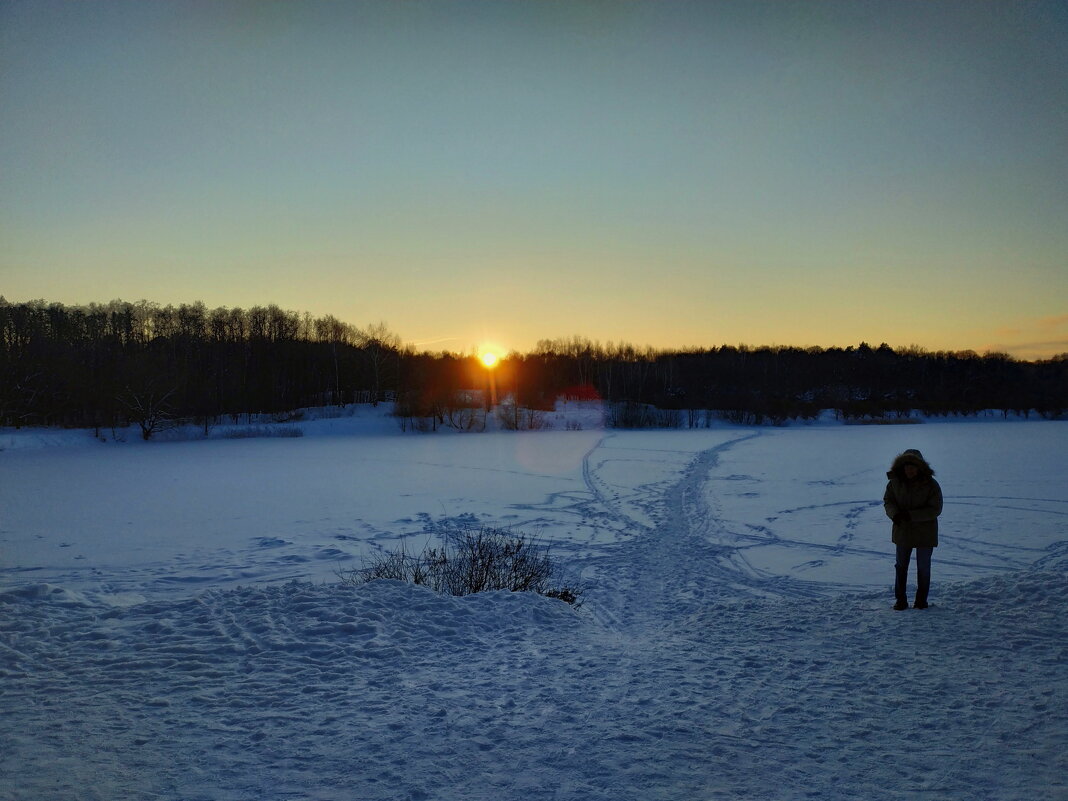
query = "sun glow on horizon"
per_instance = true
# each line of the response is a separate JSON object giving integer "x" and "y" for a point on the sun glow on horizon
{"x": 489, "y": 359}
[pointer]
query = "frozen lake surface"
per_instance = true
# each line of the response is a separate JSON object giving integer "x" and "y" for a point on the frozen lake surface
{"x": 171, "y": 625}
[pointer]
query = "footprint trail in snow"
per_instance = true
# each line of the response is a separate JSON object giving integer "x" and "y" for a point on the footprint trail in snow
{"x": 705, "y": 664}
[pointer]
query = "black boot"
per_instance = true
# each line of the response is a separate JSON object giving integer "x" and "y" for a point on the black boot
{"x": 901, "y": 577}
{"x": 923, "y": 586}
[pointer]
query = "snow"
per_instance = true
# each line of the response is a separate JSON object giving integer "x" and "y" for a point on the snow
{"x": 172, "y": 626}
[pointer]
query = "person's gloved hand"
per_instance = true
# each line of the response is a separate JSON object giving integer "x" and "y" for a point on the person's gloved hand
{"x": 902, "y": 517}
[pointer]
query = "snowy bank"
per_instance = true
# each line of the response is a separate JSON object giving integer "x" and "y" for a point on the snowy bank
{"x": 736, "y": 641}
{"x": 388, "y": 691}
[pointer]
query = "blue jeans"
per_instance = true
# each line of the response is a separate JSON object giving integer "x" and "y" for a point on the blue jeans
{"x": 923, "y": 572}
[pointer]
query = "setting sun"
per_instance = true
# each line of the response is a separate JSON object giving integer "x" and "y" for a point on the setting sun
{"x": 489, "y": 359}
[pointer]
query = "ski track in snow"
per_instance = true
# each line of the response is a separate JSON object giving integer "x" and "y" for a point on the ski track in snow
{"x": 690, "y": 673}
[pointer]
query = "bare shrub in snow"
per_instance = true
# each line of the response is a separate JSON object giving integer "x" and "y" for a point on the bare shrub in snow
{"x": 513, "y": 417}
{"x": 630, "y": 414}
{"x": 464, "y": 413}
{"x": 472, "y": 561}
{"x": 149, "y": 406}
{"x": 293, "y": 416}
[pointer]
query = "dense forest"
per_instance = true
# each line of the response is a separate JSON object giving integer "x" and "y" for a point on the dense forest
{"x": 114, "y": 364}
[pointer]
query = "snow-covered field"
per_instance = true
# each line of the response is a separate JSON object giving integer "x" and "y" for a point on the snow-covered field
{"x": 172, "y": 627}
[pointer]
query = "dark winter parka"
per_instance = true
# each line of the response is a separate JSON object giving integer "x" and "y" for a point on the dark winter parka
{"x": 915, "y": 505}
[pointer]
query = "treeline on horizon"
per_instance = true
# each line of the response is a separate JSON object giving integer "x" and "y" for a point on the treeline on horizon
{"x": 120, "y": 363}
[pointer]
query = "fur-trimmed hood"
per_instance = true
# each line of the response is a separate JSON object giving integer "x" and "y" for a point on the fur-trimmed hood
{"x": 911, "y": 456}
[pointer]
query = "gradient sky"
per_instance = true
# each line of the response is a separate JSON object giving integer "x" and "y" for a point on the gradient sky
{"x": 665, "y": 173}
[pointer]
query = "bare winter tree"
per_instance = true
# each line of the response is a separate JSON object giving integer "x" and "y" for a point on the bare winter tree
{"x": 332, "y": 331}
{"x": 149, "y": 407}
{"x": 380, "y": 347}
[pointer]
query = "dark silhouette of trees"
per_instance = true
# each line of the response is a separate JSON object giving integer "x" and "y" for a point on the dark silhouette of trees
{"x": 108, "y": 365}
{"x": 771, "y": 385}
{"x": 380, "y": 347}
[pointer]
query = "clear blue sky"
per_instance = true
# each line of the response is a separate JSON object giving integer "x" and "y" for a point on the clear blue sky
{"x": 666, "y": 173}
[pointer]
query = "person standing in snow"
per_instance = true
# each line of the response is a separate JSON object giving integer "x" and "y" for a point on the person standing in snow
{"x": 913, "y": 500}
